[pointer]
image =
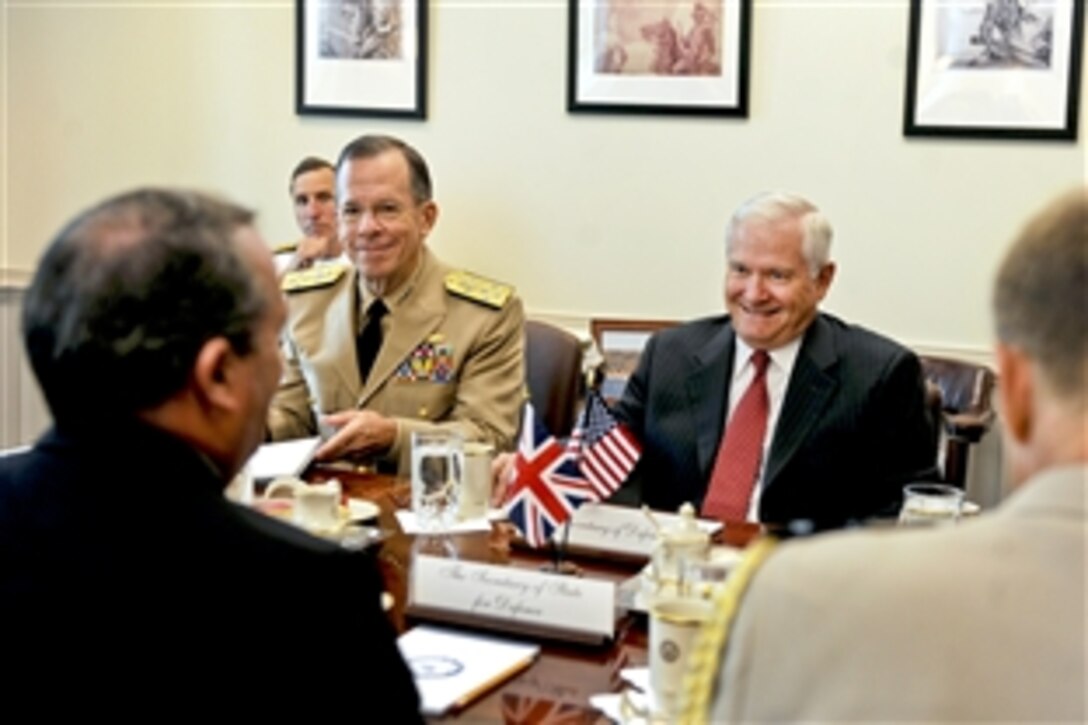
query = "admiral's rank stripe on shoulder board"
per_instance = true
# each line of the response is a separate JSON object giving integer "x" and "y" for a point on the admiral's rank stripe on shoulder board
{"x": 312, "y": 277}
{"x": 478, "y": 289}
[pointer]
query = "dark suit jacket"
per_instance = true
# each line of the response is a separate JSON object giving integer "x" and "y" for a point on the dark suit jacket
{"x": 853, "y": 428}
{"x": 126, "y": 578}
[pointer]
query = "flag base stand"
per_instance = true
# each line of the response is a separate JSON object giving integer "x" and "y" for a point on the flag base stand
{"x": 566, "y": 568}
{"x": 435, "y": 545}
{"x": 559, "y": 563}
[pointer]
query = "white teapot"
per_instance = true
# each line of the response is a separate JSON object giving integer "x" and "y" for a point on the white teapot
{"x": 676, "y": 545}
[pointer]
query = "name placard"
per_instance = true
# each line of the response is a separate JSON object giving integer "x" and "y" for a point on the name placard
{"x": 517, "y": 600}
{"x": 621, "y": 529}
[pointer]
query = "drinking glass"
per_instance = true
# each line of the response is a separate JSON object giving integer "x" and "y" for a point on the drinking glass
{"x": 929, "y": 504}
{"x": 704, "y": 578}
{"x": 438, "y": 464}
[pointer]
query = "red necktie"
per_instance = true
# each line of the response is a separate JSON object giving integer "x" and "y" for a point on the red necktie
{"x": 737, "y": 465}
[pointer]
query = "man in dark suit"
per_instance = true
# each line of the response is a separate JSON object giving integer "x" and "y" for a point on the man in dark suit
{"x": 127, "y": 580}
{"x": 842, "y": 422}
{"x": 979, "y": 622}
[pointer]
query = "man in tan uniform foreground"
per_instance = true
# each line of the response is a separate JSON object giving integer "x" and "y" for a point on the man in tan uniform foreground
{"x": 447, "y": 345}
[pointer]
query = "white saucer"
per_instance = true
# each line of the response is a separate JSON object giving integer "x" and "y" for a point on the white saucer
{"x": 362, "y": 510}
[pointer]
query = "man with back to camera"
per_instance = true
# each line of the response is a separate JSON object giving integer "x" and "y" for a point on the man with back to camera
{"x": 312, "y": 188}
{"x": 981, "y": 621}
{"x": 127, "y": 579}
{"x": 400, "y": 342}
{"x": 836, "y": 421}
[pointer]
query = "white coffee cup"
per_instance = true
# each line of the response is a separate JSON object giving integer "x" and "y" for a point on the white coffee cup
{"x": 476, "y": 492}
{"x": 317, "y": 506}
{"x": 674, "y": 626}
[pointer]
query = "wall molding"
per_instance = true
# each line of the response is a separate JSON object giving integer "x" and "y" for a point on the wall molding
{"x": 578, "y": 324}
{"x": 15, "y": 278}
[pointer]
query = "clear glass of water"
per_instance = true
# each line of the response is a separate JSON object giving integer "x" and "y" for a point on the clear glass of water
{"x": 929, "y": 504}
{"x": 438, "y": 465}
{"x": 704, "y": 578}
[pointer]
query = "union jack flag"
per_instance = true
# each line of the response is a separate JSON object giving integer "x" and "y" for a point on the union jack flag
{"x": 548, "y": 485}
{"x": 605, "y": 450}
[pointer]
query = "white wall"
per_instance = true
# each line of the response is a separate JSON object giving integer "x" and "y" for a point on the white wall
{"x": 23, "y": 414}
{"x": 606, "y": 215}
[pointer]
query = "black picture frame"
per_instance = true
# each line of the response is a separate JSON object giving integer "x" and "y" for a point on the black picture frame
{"x": 994, "y": 70}
{"x": 670, "y": 57}
{"x": 366, "y": 60}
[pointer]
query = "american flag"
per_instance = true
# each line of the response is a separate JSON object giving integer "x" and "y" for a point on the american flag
{"x": 548, "y": 485}
{"x": 605, "y": 450}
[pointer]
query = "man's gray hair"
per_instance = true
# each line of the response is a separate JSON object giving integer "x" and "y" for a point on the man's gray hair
{"x": 1041, "y": 293}
{"x": 775, "y": 206}
{"x": 369, "y": 146}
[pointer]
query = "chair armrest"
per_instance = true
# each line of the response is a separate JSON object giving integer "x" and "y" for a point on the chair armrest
{"x": 968, "y": 426}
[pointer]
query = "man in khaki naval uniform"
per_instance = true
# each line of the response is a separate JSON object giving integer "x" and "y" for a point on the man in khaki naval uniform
{"x": 981, "y": 621}
{"x": 451, "y": 350}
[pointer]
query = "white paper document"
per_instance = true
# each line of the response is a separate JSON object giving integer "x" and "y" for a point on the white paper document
{"x": 409, "y": 524}
{"x": 285, "y": 458}
{"x": 453, "y": 668}
{"x": 641, "y": 699}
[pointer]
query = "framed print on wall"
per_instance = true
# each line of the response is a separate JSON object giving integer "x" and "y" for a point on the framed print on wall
{"x": 361, "y": 57}
{"x": 994, "y": 68}
{"x": 669, "y": 57}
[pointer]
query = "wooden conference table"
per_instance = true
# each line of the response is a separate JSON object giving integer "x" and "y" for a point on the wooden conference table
{"x": 560, "y": 682}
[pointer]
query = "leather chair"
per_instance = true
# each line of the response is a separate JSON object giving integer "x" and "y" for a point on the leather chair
{"x": 935, "y": 413}
{"x": 966, "y": 409}
{"x": 553, "y": 372}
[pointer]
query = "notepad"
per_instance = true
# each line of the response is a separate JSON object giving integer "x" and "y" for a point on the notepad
{"x": 452, "y": 668}
{"x": 285, "y": 458}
